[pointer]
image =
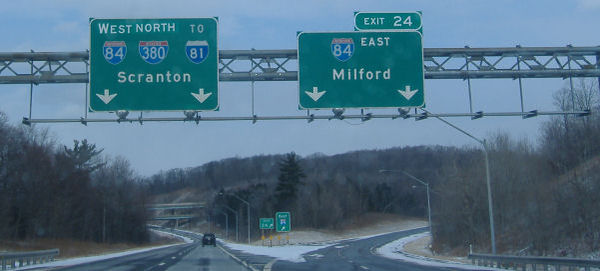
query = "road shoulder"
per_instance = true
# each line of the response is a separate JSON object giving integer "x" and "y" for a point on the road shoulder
{"x": 398, "y": 250}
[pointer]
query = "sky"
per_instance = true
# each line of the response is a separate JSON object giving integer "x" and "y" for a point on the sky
{"x": 62, "y": 25}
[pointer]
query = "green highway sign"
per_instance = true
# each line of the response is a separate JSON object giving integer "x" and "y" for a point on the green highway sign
{"x": 402, "y": 21}
{"x": 153, "y": 64}
{"x": 360, "y": 70}
{"x": 266, "y": 223}
{"x": 283, "y": 222}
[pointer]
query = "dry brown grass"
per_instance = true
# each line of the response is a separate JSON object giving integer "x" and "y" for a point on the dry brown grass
{"x": 74, "y": 248}
{"x": 370, "y": 219}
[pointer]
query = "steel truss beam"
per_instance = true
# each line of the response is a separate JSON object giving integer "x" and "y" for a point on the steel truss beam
{"x": 281, "y": 65}
{"x": 311, "y": 117}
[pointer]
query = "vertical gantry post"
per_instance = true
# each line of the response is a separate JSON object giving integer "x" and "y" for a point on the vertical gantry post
{"x": 571, "y": 85}
{"x": 252, "y": 83}
{"x": 598, "y": 67}
{"x": 520, "y": 81}
{"x": 31, "y": 87}
{"x": 87, "y": 71}
{"x": 469, "y": 84}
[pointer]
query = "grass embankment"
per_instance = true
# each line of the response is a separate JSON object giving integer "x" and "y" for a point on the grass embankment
{"x": 74, "y": 248}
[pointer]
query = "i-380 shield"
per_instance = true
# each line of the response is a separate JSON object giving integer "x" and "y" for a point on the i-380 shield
{"x": 154, "y": 52}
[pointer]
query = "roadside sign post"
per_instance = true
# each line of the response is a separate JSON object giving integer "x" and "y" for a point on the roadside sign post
{"x": 283, "y": 222}
{"x": 360, "y": 70}
{"x": 265, "y": 224}
{"x": 153, "y": 64}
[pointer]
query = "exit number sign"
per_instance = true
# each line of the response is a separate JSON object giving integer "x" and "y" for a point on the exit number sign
{"x": 400, "y": 21}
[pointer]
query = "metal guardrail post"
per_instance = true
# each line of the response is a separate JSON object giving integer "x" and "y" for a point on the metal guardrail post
{"x": 522, "y": 262}
{"x": 26, "y": 258}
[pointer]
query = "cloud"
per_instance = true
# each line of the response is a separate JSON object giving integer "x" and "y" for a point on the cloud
{"x": 589, "y": 4}
{"x": 67, "y": 27}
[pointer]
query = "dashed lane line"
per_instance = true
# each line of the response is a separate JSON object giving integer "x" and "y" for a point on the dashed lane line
{"x": 238, "y": 259}
{"x": 269, "y": 265}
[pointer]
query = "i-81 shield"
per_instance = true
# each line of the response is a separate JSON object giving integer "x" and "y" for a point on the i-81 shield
{"x": 114, "y": 51}
{"x": 154, "y": 52}
{"x": 196, "y": 50}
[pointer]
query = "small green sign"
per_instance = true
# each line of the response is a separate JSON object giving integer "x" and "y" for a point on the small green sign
{"x": 402, "y": 21}
{"x": 153, "y": 64}
{"x": 266, "y": 223}
{"x": 360, "y": 70}
{"x": 283, "y": 221}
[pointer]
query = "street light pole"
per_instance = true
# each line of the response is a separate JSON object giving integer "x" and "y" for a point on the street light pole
{"x": 487, "y": 176}
{"x": 226, "y": 225}
{"x": 429, "y": 210}
{"x": 421, "y": 182}
{"x": 248, "y": 209}
{"x": 237, "y": 232}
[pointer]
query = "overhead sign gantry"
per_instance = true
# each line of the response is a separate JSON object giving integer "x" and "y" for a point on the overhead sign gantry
{"x": 153, "y": 64}
{"x": 129, "y": 69}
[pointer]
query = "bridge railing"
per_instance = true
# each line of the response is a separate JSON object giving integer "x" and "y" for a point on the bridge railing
{"x": 527, "y": 263}
{"x": 19, "y": 259}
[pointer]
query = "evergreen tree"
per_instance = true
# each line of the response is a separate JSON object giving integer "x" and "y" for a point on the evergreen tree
{"x": 290, "y": 175}
{"x": 84, "y": 156}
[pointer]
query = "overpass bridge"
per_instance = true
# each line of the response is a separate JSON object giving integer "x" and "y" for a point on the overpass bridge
{"x": 176, "y": 206}
{"x": 176, "y": 212}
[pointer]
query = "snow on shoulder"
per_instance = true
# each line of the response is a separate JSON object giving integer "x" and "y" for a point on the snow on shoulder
{"x": 292, "y": 253}
{"x": 395, "y": 250}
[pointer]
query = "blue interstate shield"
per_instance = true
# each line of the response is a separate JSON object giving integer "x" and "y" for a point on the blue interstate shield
{"x": 342, "y": 48}
{"x": 153, "y": 52}
{"x": 196, "y": 50}
{"x": 114, "y": 51}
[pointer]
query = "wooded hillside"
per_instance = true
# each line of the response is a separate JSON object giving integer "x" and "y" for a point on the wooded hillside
{"x": 545, "y": 190}
{"x": 52, "y": 191}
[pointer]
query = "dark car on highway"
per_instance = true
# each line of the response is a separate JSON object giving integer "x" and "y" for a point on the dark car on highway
{"x": 209, "y": 239}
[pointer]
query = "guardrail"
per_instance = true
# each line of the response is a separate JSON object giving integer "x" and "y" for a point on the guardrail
{"x": 12, "y": 259}
{"x": 192, "y": 235}
{"x": 527, "y": 263}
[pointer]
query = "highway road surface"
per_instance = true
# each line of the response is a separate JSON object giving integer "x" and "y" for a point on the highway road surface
{"x": 177, "y": 258}
{"x": 356, "y": 255}
{"x": 345, "y": 255}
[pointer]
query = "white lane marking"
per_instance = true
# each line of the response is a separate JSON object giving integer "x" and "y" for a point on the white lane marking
{"x": 316, "y": 255}
{"x": 244, "y": 263}
{"x": 269, "y": 265}
{"x": 364, "y": 267}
